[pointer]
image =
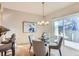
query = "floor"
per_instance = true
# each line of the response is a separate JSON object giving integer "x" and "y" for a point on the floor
{"x": 23, "y": 50}
{"x": 66, "y": 51}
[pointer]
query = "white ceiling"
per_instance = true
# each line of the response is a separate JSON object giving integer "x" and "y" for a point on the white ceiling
{"x": 36, "y": 7}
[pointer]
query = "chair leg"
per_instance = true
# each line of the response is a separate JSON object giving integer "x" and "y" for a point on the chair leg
{"x": 1, "y": 53}
{"x": 5, "y": 53}
{"x": 47, "y": 54}
{"x": 13, "y": 51}
{"x": 60, "y": 52}
{"x": 29, "y": 49}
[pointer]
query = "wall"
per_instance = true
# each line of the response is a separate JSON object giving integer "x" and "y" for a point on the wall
{"x": 13, "y": 20}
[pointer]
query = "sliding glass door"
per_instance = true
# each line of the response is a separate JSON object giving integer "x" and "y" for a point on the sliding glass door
{"x": 71, "y": 29}
{"x": 68, "y": 27}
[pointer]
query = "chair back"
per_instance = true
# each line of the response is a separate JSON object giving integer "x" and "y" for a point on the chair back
{"x": 39, "y": 48}
{"x": 60, "y": 42}
{"x": 12, "y": 40}
{"x": 30, "y": 40}
{"x": 8, "y": 45}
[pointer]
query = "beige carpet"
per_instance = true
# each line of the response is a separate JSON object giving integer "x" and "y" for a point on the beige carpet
{"x": 66, "y": 51}
{"x": 23, "y": 50}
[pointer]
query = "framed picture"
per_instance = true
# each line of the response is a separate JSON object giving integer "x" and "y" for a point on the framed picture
{"x": 29, "y": 27}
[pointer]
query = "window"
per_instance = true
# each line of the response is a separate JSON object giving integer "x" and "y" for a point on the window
{"x": 68, "y": 27}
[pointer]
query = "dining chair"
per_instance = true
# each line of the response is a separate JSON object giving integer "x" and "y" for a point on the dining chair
{"x": 39, "y": 48}
{"x": 57, "y": 46}
{"x": 9, "y": 45}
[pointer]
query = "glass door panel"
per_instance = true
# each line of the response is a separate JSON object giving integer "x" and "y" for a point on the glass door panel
{"x": 68, "y": 27}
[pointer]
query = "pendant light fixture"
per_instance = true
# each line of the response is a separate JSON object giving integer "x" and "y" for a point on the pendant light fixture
{"x": 43, "y": 22}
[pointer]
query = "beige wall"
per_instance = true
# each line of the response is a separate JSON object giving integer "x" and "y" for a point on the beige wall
{"x": 74, "y": 8}
{"x": 13, "y": 20}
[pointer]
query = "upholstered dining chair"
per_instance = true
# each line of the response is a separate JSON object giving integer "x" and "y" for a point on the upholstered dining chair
{"x": 57, "y": 46}
{"x": 9, "y": 45}
{"x": 39, "y": 48}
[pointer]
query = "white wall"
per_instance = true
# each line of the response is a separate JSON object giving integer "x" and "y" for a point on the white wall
{"x": 71, "y": 44}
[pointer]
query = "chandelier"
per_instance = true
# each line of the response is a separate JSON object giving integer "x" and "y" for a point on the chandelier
{"x": 43, "y": 22}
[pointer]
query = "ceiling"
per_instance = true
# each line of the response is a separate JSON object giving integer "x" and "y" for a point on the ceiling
{"x": 36, "y": 7}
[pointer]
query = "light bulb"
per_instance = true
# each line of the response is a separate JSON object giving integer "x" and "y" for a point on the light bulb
{"x": 47, "y": 22}
{"x": 38, "y": 23}
{"x": 42, "y": 22}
